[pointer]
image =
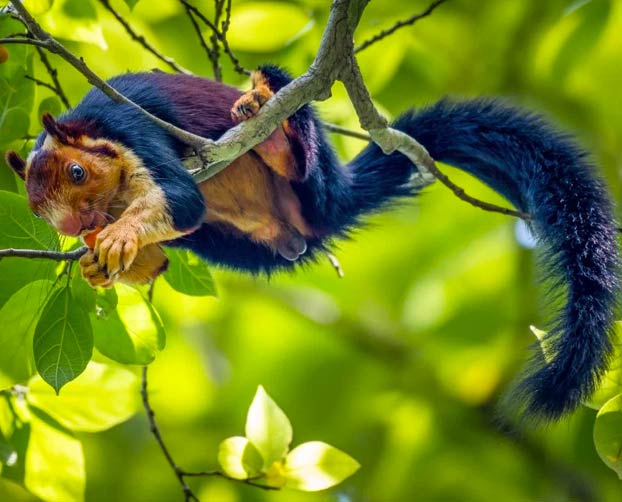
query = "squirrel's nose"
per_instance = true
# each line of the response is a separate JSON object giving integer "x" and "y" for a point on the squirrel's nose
{"x": 70, "y": 225}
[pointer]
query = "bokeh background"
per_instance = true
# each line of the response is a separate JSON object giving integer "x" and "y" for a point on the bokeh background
{"x": 402, "y": 362}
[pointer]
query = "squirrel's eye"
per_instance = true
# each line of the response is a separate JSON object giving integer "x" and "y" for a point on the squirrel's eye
{"x": 36, "y": 215}
{"x": 77, "y": 173}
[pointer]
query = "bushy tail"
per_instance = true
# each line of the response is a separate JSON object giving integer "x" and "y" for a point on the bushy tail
{"x": 543, "y": 173}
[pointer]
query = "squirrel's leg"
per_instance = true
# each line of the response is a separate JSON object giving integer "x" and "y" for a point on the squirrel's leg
{"x": 291, "y": 150}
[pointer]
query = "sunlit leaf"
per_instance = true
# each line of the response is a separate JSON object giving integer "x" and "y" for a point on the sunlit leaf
{"x": 611, "y": 382}
{"x": 188, "y": 274}
{"x": 238, "y": 458}
{"x": 101, "y": 397}
{"x": 316, "y": 466}
{"x": 544, "y": 343}
{"x": 608, "y": 434}
{"x": 38, "y": 6}
{"x": 131, "y": 334}
{"x": 268, "y": 428}
{"x": 18, "y": 318}
{"x": 63, "y": 340}
{"x": 54, "y": 461}
{"x": 278, "y": 23}
{"x": 69, "y": 26}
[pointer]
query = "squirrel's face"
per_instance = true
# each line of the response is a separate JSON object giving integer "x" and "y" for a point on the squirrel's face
{"x": 71, "y": 189}
{"x": 72, "y": 179}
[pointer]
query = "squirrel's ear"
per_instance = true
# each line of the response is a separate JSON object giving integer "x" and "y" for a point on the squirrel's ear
{"x": 17, "y": 163}
{"x": 55, "y": 129}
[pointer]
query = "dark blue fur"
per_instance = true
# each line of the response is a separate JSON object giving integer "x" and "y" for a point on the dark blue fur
{"x": 537, "y": 169}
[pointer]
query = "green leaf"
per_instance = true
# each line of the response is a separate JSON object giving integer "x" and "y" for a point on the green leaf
{"x": 80, "y": 9}
{"x": 188, "y": 274}
{"x": 278, "y": 23}
{"x": 101, "y": 397}
{"x": 608, "y": 434}
{"x": 316, "y": 466}
{"x": 20, "y": 229}
{"x": 611, "y": 382}
{"x": 238, "y": 458}
{"x": 63, "y": 340}
{"x": 50, "y": 105}
{"x": 131, "y": 3}
{"x": 268, "y": 428}
{"x": 54, "y": 461}
{"x": 18, "y": 317}
{"x": 131, "y": 334}
{"x": 15, "y": 273}
{"x": 83, "y": 294}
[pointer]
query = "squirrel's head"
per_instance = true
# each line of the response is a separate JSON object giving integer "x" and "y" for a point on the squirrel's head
{"x": 72, "y": 178}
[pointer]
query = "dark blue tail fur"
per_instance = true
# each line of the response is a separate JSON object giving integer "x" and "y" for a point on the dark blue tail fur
{"x": 544, "y": 173}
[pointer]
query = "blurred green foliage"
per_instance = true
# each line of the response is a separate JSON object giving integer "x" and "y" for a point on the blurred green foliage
{"x": 402, "y": 362}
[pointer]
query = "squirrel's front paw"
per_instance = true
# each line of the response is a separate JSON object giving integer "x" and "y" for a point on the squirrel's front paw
{"x": 116, "y": 247}
{"x": 93, "y": 273}
{"x": 246, "y": 106}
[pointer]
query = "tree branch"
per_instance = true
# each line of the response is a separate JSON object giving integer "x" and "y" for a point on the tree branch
{"x": 53, "y": 72}
{"x": 153, "y": 427}
{"x": 179, "y": 472}
{"x": 400, "y": 24}
{"x": 220, "y": 35}
{"x": 143, "y": 41}
{"x": 44, "y": 253}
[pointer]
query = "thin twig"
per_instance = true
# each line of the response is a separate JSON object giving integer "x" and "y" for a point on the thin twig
{"x": 22, "y": 41}
{"x": 53, "y": 72}
{"x": 400, "y": 24}
{"x": 197, "y": 30}
{"x": 222, "y": 38}
{"x": 153, "y": 427}
{"x": 248, "y": 481}
{"x": 40, "y": 83}
{"x": 143, "y": 41}
{"x": 346, "y": 132}
{"x": 43, "y": 253}
{"x": 462, "y": 195}
{"x": 215, "y": 52}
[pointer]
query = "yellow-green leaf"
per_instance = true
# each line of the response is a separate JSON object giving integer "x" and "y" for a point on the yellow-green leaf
{"x": 268, "y": 428}
{"x": 133, "y": 332}
{"x": 238, "y": 458}
{"x": 316, "y": 466}
{"x": 101, "y": 397}
{"x": 54, "y": 462}
{"x": 266, "y": 26}
{"x": 608, "y": 434}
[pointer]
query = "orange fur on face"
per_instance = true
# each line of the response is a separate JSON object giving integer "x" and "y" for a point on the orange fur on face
{"x": 74, "y": 207}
